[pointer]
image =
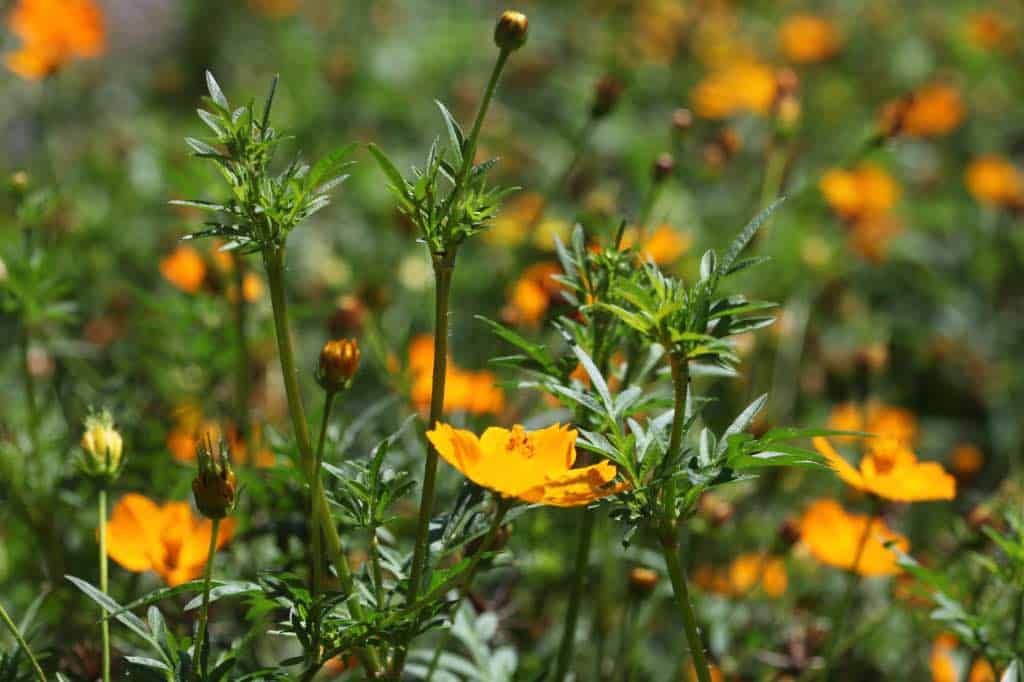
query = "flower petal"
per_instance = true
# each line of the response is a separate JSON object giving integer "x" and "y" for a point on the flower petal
{"x": 843, "y": 469}
{"x": 132, "y": 532}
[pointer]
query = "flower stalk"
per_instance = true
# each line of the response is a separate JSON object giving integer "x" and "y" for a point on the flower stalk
{"x": 20, "y": 639}
{"x": 200, "y": 649}
{"x": 582, "y": 559}
{"x": 670, "y": 549}
{"x": 105, "y": 623}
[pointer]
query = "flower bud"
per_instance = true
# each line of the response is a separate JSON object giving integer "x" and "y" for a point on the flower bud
{"x": 348, "y": 318}
{"x": 663, "y": 167}
{"x": 682, "y": 120}
{"x": 339, "y": 361}
{"x": 19, "y": 182}
{"x": 102, "y": 447}
{"x": 214, "y": 485}
{"x": 642, "y": 580}
{"x": 607, "y": 92}
{"x": 510, "y": 32}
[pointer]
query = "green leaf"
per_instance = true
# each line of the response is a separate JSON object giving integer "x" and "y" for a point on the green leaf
{"x": 596, "y": 379}
{"x": 534, "y": 351}
{"x": 226, "y": 589}
{"x": 744, "y": 237}
{"x": 455, "y": 133}
{"x": 129, "y": 620}
{"x": 329, "y": 165}
{"x": 216, "y": 94}
{"x": 389, "y": 168}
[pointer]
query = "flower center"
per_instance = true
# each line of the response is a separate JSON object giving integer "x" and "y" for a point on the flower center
{"x": 519, "y": 441}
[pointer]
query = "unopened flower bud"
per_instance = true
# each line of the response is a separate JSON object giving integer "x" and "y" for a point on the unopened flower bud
{"x": 19, "y": 182}
{"x": 510, "y": 32}
{"x": 682, "y": 120}
{"x": 607, "y": 92}
{"x": 348, "y": 317}
{"x": 339, "y": 361}
{"x": 214, "y": 486}
{"x": 642, "y": 580}
{"x": 789, "y": 532}
{"x": 102, "y": 447}
{"x": 717, "y": 511}
{"x": 663, "y": 167}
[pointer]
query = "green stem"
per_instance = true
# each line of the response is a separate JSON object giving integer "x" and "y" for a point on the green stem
{"x": 273, "y": 259}
{"x": 315, "y": 532}
{"x": 579, "y": 575}
{"x": 16, "y": 633}
{"x": 467, "y": 580}
{"x": 378, "y": 574}
{"x": 680, "y": 383}
{"x": 623, "y": 666}
{"x": 105, "y": 623}
{"x": 839, "y": 616}
{"x": 240, "y": 314}
{"x": 199, "y": 648}
{"x": 670, "y": 548}
{"x": 31, "y": 406}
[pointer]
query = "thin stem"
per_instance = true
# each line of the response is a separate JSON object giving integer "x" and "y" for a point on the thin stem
{"x": 623, "y": 665}
{"x": 467, "y": 580}
{"x": 31, "y": 405}
{"x": 199, "y": 648}
{"x": 680, "y": 384}
{"x": 315, "y": 530}
{"x": 105, "y": 623}
{"x": 378, "y": 574}
{"x": 579, "y": 578}
{"x": 670, "y": 548}
{"x": 839, "y": 616}
{"x": 239, "y": 310}
{"x": 273, "y": 259}
{"x": 6, "y": 618}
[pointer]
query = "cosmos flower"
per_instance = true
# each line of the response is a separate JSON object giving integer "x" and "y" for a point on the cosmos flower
{"x": 52, "y": 33}
{"x": 834, "y": 537}
{"x": 890, "y": 469}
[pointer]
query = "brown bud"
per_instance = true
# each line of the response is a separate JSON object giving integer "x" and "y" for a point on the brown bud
{"x": 607, "y": 92}
{"x": 716, "y": 510}
{"x": 339, "y": 361}
{"x": 663, "y": 167}
{"x": 787, "y": 83}
{"x": 642, "y": 580}
{"x": 789, "y": 531}
{"x": 682, "y": 120}
{"x": 510, "y": 32}
{"x": 348, "y": 317}
{"x": 214, "y": 486}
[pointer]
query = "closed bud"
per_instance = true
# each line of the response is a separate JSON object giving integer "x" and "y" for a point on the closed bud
{"x": 510, "y": 32}
{"x": 19, "y": 182}
{"x": 214, "y": 486}
{"x": 682, "y": 120}
{"x": 339, "y": 361}
{"x": 789, "y": 532}
{"x": 348, "y": 317}
{"x": 102, "y": 447}
{"x": 642, "y": 580}
{"x": 606, "y": 95}
{"x": 663, "y": 167}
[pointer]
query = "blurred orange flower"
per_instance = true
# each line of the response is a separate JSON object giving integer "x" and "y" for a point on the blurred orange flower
{"x": 516, "y": 218}
{"x": 890, "y": 469}
{"x": 533, "y": 466}
{"x": 183, "y": 441}
{"x": 876, "y": 417}
{"x": 745, "y": 572}
{"x": 941, "y": 662}
{"x": 990, "y": 31}
{"x": 532, "y": 295}
{"x": 169, "y": 540}
{"x": 465, "y": 391}
{"x": 52, "y": 33}
{"x": 930, "y": 111}
{"x": 743, "y": 87}
{"x": 867, "y": 191}
{"x": 982, "y": 671}
{"x": 184, "y": 268}
{"x": 806, "y": 38}
{"x": 966, "y": 460}
{"x": 834, "y": 537}
{"x": 664, "y": 246}
{"x": 996, "y": 181}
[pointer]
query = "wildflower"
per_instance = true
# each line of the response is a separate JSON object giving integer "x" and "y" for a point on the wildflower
{"x": 966, "y": 460}
{"x": 532, "y": 295}
{"x": 982, "y": 671}
{"x": 52, "y": 33}
{"x": 511, "y": 31}
{"x": 658, "y": 29}
{"x": 533, "y": 466}
{"x": 880, "y": 419}
{"x": 184, "y": 268}
{"x": 870, "y": 238}
{"x": 102, "y": 447}
{"x": 743, "y": 87}
{"x": 682, "y": 120}
{"x": 214, "y": 487}
{"x": 339, "y": 361}
{"x": 474, "y": 392}
{"x": 834, "y": 537}
{"x": 510, "y": 226}
{"x": 867, "y": 191}
{"x": 990, "y": 31}
{"x": 758, "y": 570}
{"x": 931, "y": 111}
{"x": 890, "y": 469}
{"x": 169, "y": 539}
{"x": 941, "y": 662}
{"x": 663, "y": 246}
{"x": 643, "y": 580}
{"x": 996, "y": 181}
{"x": 184, "y": 439}
{"x": 806, "y": 38}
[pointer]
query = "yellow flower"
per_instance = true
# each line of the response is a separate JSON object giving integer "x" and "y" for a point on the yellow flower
{"x": 533, "y": 466}
{"x": 877, "y": 418}
{"x": 889, "y": 469}
{"x": 996, "y": 181}
{"x": 664, "y": 246}
{"x": 750, "y": 570}
{"x": 52, "y": 33}
{"x": 743, "y": 87}
{"x": 930, "y": 111}
{"x": 184, "y": 268}
{"x": 867, "y": 191}
{"x": 465, "y": 391}
{"x": 806, "y": 38}
{"x": 169, "y": 540}
{"x": 833, "y": 537}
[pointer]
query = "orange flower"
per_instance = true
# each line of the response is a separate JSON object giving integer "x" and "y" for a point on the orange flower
{"x": 990, "y": 31}
{"x": 184, "y": 268}
{"x": 930, "y": 111}
{"x": 664, "y": 246}
{"x": 996, "y": 181}
{"x": 465, "y": 391}
{"x": 534, "y": 466}
{"x": 982, "y": 671}
{"x": 510, "y": 226}
{"x": 966, "y": 460}
{"x": 834, "y": 537}
{"x": 942, "y": 663}
{"x": 890, "y": 469}
{"x": 878, "y": 418}
{"x": 870, "y": 238}
{"x": 532, "y": 295}
{"x": 53, "y": 32}
{"x": 867, "y": 191}
{"x": 750, "y": 570}
{"x": 806, "y": 38}
{"x": 743, "y": 87}
{"x": 168, "y": 539}
{"x": 183, "y": 441}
